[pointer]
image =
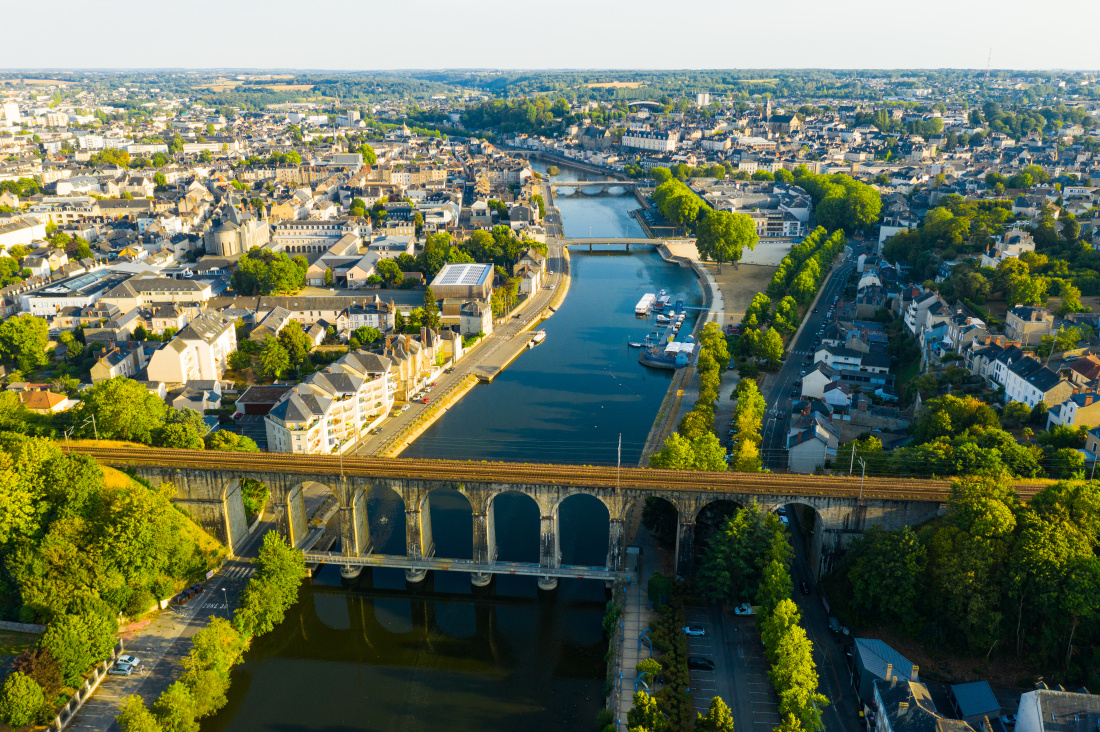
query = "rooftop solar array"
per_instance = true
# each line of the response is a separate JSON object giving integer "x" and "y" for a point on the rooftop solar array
{"x": 463, "y": 274}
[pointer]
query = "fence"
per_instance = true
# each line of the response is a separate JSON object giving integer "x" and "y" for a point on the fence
{"x": 91, "y": 683}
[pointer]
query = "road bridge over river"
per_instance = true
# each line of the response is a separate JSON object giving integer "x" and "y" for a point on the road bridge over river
{"x": 208, "y": 486}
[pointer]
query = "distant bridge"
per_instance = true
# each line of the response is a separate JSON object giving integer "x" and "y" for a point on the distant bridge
{"x": 208, "y": 485}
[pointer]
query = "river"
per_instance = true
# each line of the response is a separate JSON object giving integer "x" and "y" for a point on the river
{"x": 374, "y": 655}
{"x": 593, "y": 216}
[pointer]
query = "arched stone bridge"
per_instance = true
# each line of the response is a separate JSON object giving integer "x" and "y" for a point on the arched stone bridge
{"x": 208, "y": 486}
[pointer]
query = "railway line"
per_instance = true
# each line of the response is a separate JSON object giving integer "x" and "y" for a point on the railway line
{"x": 627, "y": 479}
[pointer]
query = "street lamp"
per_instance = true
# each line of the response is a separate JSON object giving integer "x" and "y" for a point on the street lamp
{"x": 226, "y": 600}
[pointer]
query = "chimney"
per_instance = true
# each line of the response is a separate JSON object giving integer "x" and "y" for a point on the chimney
{"x": 913, "y": 675}
{"x": 903, "y": 707}
{"x": 889, "y": 672}
{"x": 893, "y": 681}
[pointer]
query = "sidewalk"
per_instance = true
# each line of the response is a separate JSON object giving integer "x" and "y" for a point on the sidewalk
{"x": 636, "y": 616}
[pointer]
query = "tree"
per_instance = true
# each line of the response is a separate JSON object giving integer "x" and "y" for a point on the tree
{"x": 887, "y": 577}
{"x": 175, "y": 709}
{"x": 178, "y": 436}
{"x": 240, "y": 361}
{"x": 718, "y": 718}
{"x": 645, "y": 715}
{"x": 230, "y": 442}
{"x": 367, "y": 335}
{"x": 771, "y": 346}
{"x": 723, "y": 236}
{"x": 431, "y": 310}
{"x": 41, "y": 666}
{"x": 273, "y": 589}
{"x": 388, "y": 270}
{"x": 123, "y": 410}
{"x": 23, "y": 341}
{"x": 20, "y": 699}
{"x": 264, "y": 272}
{"x": 133, "y": 716}
{"x": 296, "y": 343}
{"x": 648, "y": 669}
{"x": 78, "y": 641}
{"x": 273, "y": 360}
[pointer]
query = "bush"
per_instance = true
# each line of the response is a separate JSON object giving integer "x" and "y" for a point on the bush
{"x": 77, "y": 642}
{"x": 141, "y": 601}
{"x": 20, "y": 699}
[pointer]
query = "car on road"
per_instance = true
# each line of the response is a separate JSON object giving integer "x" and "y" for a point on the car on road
{"x": 700, "y": 663}
{"x": 802, "y": 373}
{"x": 405, "y": 408}
{"x": 743, "y": 609}
{"x": 794, "y": 393}
{"x": 449, "y": 370}
{"x": 694, "y": 630}
{"x": 784, "y": 520}
{"x": 425, "y": 400}
{"x": 834, "y": 625}
{"x": 122, "y": 669}
{"x": 129, "y": 660}
{"x": 815, "y": 310}
{"x": 804, "y": 588}
{"x": 1008, "y": 720}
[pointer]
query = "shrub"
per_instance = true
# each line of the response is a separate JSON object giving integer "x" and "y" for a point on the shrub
{"x": 20, "y": 699}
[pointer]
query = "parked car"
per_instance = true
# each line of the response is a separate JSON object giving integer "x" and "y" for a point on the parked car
{"x": 784, "y": 520}
{"x": 834, "y": 625}
{"x": 425, "y": 400}
{"x": 121, "y": 669}
{"x": 694, "y": 630}
{"x": 743, "y": 609}
{"x": 129, "y": 660}
{"x": 405, "y": 408}
{"x": 803, "y": 587}
{"x": 449, "y": 370}
{"x": 700, "y": 663}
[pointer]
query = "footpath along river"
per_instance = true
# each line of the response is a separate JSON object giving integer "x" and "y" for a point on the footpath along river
{"x": 375, "y": 655}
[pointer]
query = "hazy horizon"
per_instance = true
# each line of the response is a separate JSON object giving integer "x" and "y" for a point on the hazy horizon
{"x": 594, "y": 35}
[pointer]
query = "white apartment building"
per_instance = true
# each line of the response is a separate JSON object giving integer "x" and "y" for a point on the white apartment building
{"x": 198, "y": 352}
{"x": 328, "y": 412}
{"x": 647, "y": 140}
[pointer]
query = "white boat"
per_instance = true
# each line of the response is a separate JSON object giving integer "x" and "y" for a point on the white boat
{"x": 633, "y": 344}
{"x": 662, "y": 319}
{"x": 538, "y": 337}
{"x": 645, "y": 304}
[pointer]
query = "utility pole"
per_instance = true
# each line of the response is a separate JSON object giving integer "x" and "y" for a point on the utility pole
{"x": 863, "y": 464}
{"x": 619, "y": 462}
{"x": 852, "y": 464}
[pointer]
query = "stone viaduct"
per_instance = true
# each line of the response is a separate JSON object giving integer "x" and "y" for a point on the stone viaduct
{"x": 212, "y": 495}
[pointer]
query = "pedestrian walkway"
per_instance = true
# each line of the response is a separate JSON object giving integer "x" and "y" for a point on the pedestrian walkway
{"x": 636, "y": 616}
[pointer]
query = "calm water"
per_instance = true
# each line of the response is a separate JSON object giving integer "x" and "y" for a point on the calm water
{"x": 569, "y": 399}
{"x": 375, "y": 655}
{"x": 602, "y": 216}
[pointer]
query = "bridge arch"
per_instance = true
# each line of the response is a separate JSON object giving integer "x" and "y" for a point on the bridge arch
{"x": 450, "y": 517}
{"x": 584, "y": 529}
{"x": 385, "y": 507}
{"x": 515, "y": 516}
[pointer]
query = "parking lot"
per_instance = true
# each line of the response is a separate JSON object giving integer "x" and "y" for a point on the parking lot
{"x": 704, "y": 684}
{"x": 759, "y": 698}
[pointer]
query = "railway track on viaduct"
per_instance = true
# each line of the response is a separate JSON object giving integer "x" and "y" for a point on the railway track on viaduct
{"x": 600, "y": 477}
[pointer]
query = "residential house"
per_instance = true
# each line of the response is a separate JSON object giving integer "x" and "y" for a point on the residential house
{"x": 874, "y": 660}
{"x": 1055, "y": 710}
{"x": 907, "y": 706}
{"x": 116, "y": 362}
{"x": 199, "y": 396}
{"x": 1080, "y": 409}
{"x": 46, "y": 402}
{"x": 808, "y": 449}
{"x": 1028, "y": 381}
{"x": 1028, "y": 324}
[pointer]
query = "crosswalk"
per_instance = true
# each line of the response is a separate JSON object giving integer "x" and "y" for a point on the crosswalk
{"x": 240, "y": 572}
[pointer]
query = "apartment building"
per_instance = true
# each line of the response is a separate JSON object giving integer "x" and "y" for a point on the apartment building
{"x": 651, "y": 141}
{"x": 329, "y": 411}
{"x": 198, "y": 352}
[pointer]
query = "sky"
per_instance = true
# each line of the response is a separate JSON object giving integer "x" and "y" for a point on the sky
{"x": 553, "y": 34}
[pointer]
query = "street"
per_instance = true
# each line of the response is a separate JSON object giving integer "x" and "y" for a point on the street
{"x": 778, "y": 396}
{"x": 167, "y": 640}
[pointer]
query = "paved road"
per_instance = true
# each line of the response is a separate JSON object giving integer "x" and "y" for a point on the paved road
{"x": 496, "y": 347}
{"x": 167, "y": 640}
{"x": 778, "y": 395}
{"x": 842, "y": 714}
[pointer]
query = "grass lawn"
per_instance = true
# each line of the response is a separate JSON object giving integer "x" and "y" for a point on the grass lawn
{"x": 13, "y": 642}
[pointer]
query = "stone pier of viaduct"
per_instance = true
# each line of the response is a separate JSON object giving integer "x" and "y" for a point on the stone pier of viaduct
{"x": 213, "y": 497}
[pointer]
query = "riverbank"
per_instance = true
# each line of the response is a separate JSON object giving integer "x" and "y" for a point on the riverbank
{"x": 672, "y": 406}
